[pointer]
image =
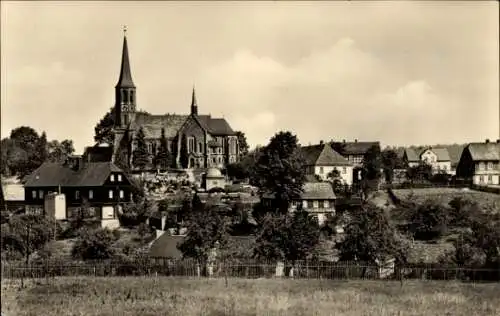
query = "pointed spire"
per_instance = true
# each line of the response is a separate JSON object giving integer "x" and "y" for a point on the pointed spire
{"x": 194, "y": 104}
{"x": 125, "y": 80}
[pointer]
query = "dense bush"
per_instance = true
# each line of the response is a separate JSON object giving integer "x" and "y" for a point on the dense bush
{"x": 430, "y": 220}
{"x": 95, "y": 244}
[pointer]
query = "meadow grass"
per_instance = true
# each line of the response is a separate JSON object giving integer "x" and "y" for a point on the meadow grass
{"x": 183, "y": 296}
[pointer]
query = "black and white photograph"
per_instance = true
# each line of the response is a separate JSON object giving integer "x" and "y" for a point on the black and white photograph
{"x": 298, "y": 158}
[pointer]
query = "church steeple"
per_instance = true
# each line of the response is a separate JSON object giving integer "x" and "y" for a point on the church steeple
{"x": 125, "y": 80}
{"x": 125, "y": 91}
{"x": 194, "y": 104}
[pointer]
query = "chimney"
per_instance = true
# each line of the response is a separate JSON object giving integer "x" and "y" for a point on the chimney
{"x": 343, "y": 140}
{"x": 498, "y": 141}
{"x": 487, "y": 140}
{"x": 355, "y": 140}
{"x": 321, "y": 142}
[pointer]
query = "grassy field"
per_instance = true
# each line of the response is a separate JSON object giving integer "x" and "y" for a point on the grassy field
{"x": 169, "y": 296}
{"x": 447, "y": 194}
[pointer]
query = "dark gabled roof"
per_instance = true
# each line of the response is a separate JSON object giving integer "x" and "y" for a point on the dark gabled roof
{"x": 152, "y": 125}
{"x": 415, "y": 154}
{"x": 323, "y": 155}
{"x": 357, "y": 148}
{"x": 484, "y": 151}
{"x": 216, "y": 126}
{"x": 172, "y": 123}
{"x": 318, "y": 191}
{"x": 411, "y": 155}
{"x": 441, "y": 153}
{"x": 52, "y": 174}
{"x": 313, "y": 191}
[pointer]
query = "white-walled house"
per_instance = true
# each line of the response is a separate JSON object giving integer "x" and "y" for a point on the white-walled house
{"x": 437, "y": 157}
{"x": 321, "y": 160}
{"x": 317, "y": 198}
{"x": 480, "y": 163}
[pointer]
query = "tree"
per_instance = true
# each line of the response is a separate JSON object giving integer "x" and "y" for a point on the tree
{"x": 206, "y": 230}
{"x": 371, "y": 170}
{"x": 5, "y": 164}
{"x": 104, "y": 129}
{"x": 140, "y": 157}
{"x": 95, "y": 244}
{"x": 280, "y": 170}
{"x": 237, "y": 171}
{"x": 163, "y": 159}
{"x": 370, "y": 237}
{"x": 24, "y": 234}
{"x": 289, "y": 237}
{"x": 242, "y": 143}
{"x": 336, "y": 180}
{"x": 430, "y": 220}
{"x": 41, "y": 151}
{"x": 23, "y": 156}
{"x": 60, "y": 151}
{"x": 390, "y": 161}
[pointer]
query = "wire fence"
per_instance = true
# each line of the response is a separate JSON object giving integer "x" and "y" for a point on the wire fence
{"x": 251, "y": 269}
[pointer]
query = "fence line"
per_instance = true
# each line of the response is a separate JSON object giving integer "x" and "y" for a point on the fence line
{"x": 250, "y": 269}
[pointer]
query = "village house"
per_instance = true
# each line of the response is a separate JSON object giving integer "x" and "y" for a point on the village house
{"x": 355, "y": 151}
{"x": 60, "y": 190}
{"x": 321, "y": 160}
{"x": 480, "y": 163}
{"x": 437, "y": 157}
{"x": 317, "y": 198}
{"x": 194, "y": 141}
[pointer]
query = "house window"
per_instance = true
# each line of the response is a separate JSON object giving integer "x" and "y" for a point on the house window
{"x": 481, "y": 166}
{"x": 33, "y": 194}
{"x": 77, "y": 195}
{"x": 200, "y": 148}
{"x": 40, "y": 194}
{"x": 110, "y": 194}
{"x": 122, "y": 194}
{"x": 344, "y": 170}
{"x": 326, "y": 204}
{"x": 119, "y": 178}
{"x": 320, "y": 169}
{"x": 490, "y": 178}
{"x": 91, "y": 194}
{"x": 490, "y": 165}
{"x": 315, "y": 204}
{"x": 191, "y": 145}
{"x": 310, "y": 204}
{"x": 112, "y": 178}
{"x": 481, "y": 180}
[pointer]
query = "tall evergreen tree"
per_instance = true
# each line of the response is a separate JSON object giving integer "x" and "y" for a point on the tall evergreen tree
{"x": 163, "y": 158}
{"x": 140, "y": 157}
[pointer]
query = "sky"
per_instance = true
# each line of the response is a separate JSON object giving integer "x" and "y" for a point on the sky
{"x": 400, "y": 73}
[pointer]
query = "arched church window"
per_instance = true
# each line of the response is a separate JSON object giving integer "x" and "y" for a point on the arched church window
{"x": 131, "y": 96}
{"x": 124, "y": 96}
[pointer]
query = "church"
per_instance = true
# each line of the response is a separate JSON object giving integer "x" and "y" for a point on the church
{"x": 194, "y": 140}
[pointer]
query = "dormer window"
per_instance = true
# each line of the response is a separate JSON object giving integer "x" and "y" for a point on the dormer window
{"x": 119, "y": 178}
{"x": 77, "y": 195}
{"x": 112, "y": 178}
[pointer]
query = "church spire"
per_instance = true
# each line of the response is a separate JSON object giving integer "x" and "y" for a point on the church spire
{"x": 125, "y": 80}
{"x": 194, "y": 104}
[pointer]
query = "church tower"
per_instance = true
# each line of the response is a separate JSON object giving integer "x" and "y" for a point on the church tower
{"x": 194, "y": 104}
{"x": 125, "y": 91}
